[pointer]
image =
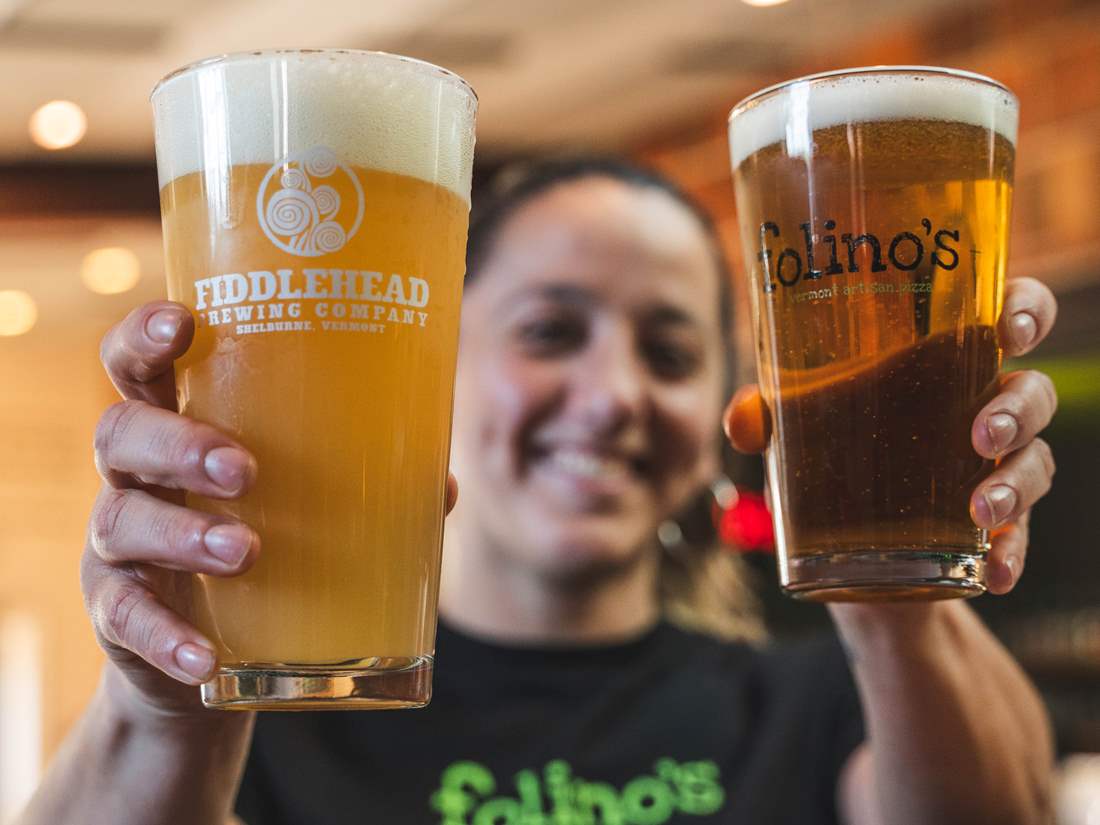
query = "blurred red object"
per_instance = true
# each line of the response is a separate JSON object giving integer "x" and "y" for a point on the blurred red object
{"x": 745, "y": 525}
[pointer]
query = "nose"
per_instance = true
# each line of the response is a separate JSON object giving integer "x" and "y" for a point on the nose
{"x": 609, "y": 387}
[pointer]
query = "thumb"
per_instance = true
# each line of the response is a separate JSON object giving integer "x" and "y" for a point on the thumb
{"x": 746, "y": 420}
{"x": 452, "y": 493}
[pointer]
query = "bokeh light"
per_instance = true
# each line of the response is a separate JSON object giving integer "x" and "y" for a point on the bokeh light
{"x": 58, "y": 124}
{"x": 18, "y": 312}
{"x": 110, "y": 270}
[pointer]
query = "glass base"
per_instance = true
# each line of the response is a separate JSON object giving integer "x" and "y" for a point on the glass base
{"x": 368, "y": 684}
{"x": 888, "y": 576}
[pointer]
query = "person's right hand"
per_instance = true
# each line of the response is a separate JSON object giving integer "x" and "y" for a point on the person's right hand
{"x": 143, "y": 544}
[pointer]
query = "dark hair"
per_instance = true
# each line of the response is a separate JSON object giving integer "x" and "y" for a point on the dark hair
{"x": 516, "y": 184}
{"x": 702, "y": 585}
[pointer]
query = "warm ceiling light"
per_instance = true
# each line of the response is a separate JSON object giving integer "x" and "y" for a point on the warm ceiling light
{"x": 17, "y": 312}
{"x": 58, "y": 124}
{"x": 110, "y": 270}
{"x": 763, "y": 3}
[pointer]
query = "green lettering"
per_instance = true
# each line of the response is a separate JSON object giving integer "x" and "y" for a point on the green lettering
{"x": 699, "y": 790}
{"x": 647, "y": 801}
{"x": 692, "y": 788}
{"x": 593, "y": 797}
{"x": 530, "y": 795}
{"x": 453, "y": 798}
{"x": 453, "y": 804}
{"x": 498, "y": 811}
{"x": 560, "y": 791}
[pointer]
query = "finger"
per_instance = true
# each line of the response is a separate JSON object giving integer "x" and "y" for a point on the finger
{"x": 139, "y": 350}
{"x": 1023, "y": 408}
{"x": 1008, "y": 551}
{"x": 452, "y": 494}
{"x": 126, "y": 614}
{"x": 135, "y": 441}
{"x": 1017, "y": 483}
{"x": 1028, "y": 315}
{"x": 746, "y": 420}
{"x": 133, "y": 526}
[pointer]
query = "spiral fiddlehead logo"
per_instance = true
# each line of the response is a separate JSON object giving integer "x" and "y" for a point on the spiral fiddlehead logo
{"x": 300, "y": 207}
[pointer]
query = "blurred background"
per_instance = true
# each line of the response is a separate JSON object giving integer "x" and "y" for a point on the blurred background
{"x": 80, "y": 245}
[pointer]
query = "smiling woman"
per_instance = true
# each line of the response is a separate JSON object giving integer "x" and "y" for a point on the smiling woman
{"x": 593, "y": 365}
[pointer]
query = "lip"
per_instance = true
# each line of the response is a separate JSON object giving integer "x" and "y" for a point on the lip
{"x": 588, "y": 477}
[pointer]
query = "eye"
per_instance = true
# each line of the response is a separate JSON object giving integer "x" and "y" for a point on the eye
{"x": 670, "y": 358}
{"x": 552, "y": 334}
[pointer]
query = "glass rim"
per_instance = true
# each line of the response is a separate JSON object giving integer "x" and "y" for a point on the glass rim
{"x": 243, "y": 56}
{"x": 959, "y": 74}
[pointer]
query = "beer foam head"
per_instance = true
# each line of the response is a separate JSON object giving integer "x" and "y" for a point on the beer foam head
{"x": 791, "y": 111}
{"x": 371, "y": 109}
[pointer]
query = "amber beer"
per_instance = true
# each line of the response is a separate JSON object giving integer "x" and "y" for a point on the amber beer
{"x": 873, "y": 208}
{"x": 315, "y": 209}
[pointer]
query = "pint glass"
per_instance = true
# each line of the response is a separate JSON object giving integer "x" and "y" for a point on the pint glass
{"x": 873, "y": 208}
{"x": 315, "y": 207}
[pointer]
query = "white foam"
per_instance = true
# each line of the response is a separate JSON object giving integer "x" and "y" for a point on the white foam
{"x": 373, "y": 110}
{"x": 803, "y": 106}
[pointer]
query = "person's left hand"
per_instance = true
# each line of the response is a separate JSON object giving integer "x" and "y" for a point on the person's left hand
{"x": 1006, "y": 429}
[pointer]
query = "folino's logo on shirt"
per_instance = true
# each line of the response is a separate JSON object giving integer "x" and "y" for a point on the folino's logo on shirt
{"x": 468, "y": 796}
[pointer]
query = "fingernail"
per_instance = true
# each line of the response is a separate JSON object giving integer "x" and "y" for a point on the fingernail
{"x": 1002, "y": 430}
{"x": 999, "y": 501}
{"x": 1024, "y": 328}
{"x": 228, "y": 542}
{"x": 227, "y": 467}
{"x": 197, "y": 661}
{"x": 163, "y": 325}
{"x": 1002, "y": 576}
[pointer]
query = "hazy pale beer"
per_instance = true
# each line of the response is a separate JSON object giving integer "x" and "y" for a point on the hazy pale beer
{"x": 315, "y": 207}
{"x": 873, "y": 208}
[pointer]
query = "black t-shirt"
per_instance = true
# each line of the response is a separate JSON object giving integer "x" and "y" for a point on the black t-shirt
{"x": 671, "y": 727}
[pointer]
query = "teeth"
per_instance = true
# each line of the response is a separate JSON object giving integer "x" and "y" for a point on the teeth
{"x": 586, "y": 464}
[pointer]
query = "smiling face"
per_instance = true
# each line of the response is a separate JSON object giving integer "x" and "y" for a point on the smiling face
{"x": 590, "y": 377}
